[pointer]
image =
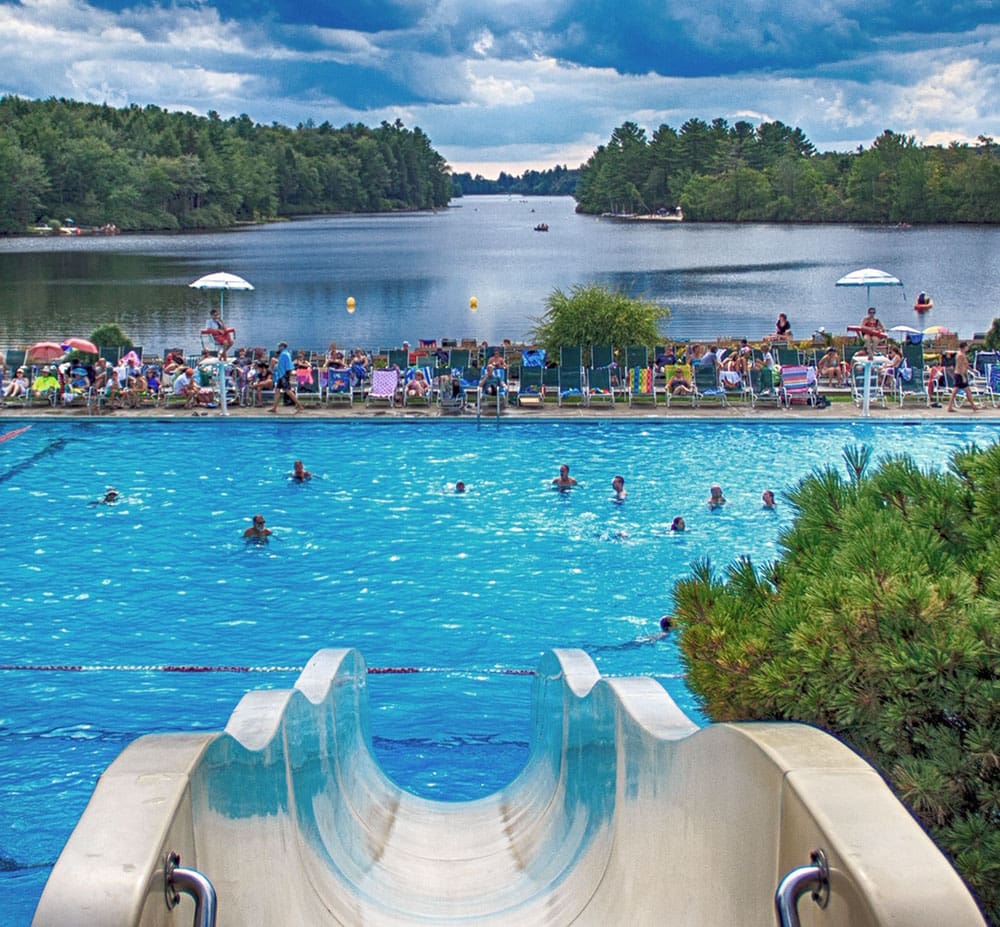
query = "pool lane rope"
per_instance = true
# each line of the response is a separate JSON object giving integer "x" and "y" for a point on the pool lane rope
{"x": 191, "y": 668}
{"x": 182, "y": 668}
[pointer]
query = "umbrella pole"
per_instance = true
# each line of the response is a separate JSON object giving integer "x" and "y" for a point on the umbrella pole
{"x": 223, "y": 408}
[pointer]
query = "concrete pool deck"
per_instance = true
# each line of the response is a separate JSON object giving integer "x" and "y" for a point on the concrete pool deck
{"x": 840, "y": 409}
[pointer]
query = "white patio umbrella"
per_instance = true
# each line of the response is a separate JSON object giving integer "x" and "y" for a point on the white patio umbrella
{"x": 905, "y": 330}
{"x": 869, "y": 277}
{"x": 221, "y": 281}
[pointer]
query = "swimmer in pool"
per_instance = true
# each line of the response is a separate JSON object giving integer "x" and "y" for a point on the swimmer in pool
{"x": 767, "y": 499}
{"x": 677, "y": 524}
{"x": 618, "y": 485}
{"x": 110, "y": 497}
{"x": 564, "y": 481}
{"x": 460, "y": 486}
{"x": 257, "y": 531}
{"x": 715, "y": 498}
{"x": 299, "y": 473}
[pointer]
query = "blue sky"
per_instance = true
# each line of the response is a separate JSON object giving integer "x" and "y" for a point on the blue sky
{"x": 512, "y": 84}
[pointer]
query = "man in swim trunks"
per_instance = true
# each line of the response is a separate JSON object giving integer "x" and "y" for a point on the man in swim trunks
{"x": 299, "y": 473}
{"x": 962, "y": 378}
{"x": 564, "y": 481}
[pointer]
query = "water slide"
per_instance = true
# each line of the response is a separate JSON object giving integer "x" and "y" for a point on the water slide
{"x": 625, "y": 813}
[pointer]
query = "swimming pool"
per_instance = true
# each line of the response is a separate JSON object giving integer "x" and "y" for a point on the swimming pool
{"x": 376, "y": 552}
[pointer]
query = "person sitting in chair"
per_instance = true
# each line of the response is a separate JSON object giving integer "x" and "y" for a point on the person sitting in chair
{"x": 872, "y": 331}
{"x": 222, "y": 336}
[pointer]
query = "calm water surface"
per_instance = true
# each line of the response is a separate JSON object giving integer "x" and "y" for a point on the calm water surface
{"x": 376, "y": 552}
{"x": 412, "y": 276}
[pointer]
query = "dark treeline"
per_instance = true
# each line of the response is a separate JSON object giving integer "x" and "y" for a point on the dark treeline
{"x": 772, "y": 173}
{"x": 556, "y": 181}
{"x": 146, "y": 168}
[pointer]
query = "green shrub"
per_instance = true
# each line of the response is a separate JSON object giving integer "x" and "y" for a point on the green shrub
{"x": 111, "y": 335}
{"x": 880, "y": 623}
{"x": 593, "y": 314}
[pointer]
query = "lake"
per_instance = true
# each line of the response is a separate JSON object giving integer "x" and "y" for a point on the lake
{"x": 413, "y": 275}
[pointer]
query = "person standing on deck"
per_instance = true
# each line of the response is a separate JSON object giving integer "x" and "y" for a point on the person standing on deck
{"x": 962, "y": 379}
{"x": 283, "y": 379}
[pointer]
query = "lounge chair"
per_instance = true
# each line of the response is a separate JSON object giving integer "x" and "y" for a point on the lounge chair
{"x": 640, "y": 385}
{"x": 762, "y": 386}
{"x": 911, "y": 379}
{"x": 601, "y": 355}
{"x": 706, "y": 384}
{"x": 428, "y": 396}
{"x": 450, "y": 395}
{"x": 661, "y": 385}
{"x": 599, "y": 387}
{"x": 571, "y": 355}
{"x": 797, "y": 382}
{"x": 397, "y": 357}
{"x": 636, "y": 355}
{"x": 385, "y": 383}
{"x": 338, "y": 386}
{"x": 533, "y": 357}
{"x": 571, "y": 385}
{"x": 530, "y": 387}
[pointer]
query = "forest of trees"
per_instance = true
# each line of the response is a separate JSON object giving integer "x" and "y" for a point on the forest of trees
{"x": 772, "y": 173}
{"x": 147, "y": 168}
{"x": 556, "y": 181}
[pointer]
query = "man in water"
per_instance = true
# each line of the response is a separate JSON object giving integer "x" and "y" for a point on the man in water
{"x": 767, "y": 498}
{"x": 299, "y": 473}
{"x": 283, "y": 379}
{"x": 257, "y": 531}
{"x": 564, "y": 481}
{"x": 618, "y": 485}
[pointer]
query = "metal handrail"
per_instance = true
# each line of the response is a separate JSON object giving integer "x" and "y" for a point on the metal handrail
{"x": 794, "y": 884}
{"x": 193, "y": 883}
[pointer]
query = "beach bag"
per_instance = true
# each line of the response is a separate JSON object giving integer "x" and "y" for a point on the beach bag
{"x": 905, "y": 372}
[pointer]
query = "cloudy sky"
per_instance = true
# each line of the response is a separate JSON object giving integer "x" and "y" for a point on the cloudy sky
{"x": 511, "y": 84}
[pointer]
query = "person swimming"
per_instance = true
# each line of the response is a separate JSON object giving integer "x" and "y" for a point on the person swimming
{"x": 715, "y": 498}
{"x": 460, "y": 486}
{"x": 257, "y": 532}
{"x": 564, "y": 481}
{"x": 110, "y": 497}
{"x": 618, "y": 485}
{"x": 677, "y": 524}
{"x": 299, "y": 473}
{"x": 767, "y": 499}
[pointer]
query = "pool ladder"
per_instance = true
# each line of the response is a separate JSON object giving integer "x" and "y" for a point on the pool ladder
{"x": 794, "y": 884}
{"x": 190, "y": 882}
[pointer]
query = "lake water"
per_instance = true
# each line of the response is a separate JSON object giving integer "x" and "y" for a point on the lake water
{"x": 413, "y": 275}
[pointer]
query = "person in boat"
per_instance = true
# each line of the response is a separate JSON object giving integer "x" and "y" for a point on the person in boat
{"x": 564, "y": 481}
{"x": 222, "y": 336}
{"x": 923, "y": 303}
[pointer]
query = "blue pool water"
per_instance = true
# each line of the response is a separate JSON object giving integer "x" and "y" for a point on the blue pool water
{"x": 376, "y": 552}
